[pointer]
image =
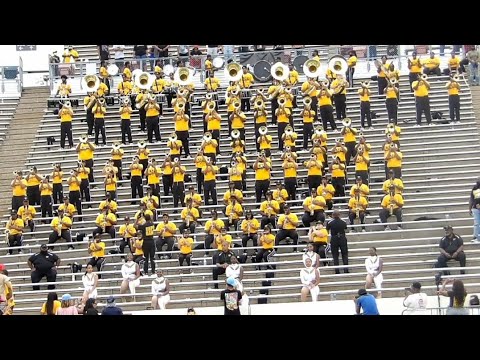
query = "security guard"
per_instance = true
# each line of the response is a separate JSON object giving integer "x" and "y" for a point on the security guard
{"x": 44, "y": 263}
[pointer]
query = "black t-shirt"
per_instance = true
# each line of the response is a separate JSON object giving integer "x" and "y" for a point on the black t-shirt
{"x": 43, "y": 261}
{"x": 140, "y": 50}
{"x": 147, "y": 230}
{"x": 475, "y": 195}
{"x": 337, "y": 227}
{"x": 91, "y": 311}
{"x": 223, "y": 257}
{"x": 231, "y": 299}
{"x": 451, "y": 245}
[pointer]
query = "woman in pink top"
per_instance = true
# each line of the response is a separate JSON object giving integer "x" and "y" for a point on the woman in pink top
{"x": 68, "y": 306}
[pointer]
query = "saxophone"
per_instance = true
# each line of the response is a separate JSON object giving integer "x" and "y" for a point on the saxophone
{"x": 357, "y": 207}
{"x": 59, "y": 226}
{"x": 104, "y": 223}
{"x": 312, "y": 209}
{"x": 248, "y": 227}
{"x": 230, "y": 217}
{"x": 187, "y": 218}
{"x": 7, "y": 231}
{"x": 391, "y": 206}
{"x": 269, "y": 209}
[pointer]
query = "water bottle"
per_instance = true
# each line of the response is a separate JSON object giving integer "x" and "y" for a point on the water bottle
{"x": 333, "y": 297}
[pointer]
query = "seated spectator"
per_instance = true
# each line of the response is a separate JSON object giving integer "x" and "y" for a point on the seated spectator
{"x": 90, "y": 282}
{"x": 318, "y": 236}
{"x": 310, "y": 277}
{"x": 68, "y": 306}
{"x": 160, "y": 291}
{"x": 457, "y": 296}
{"x": 431, "y": 66}
{"x": 130, "y": 275}
{"x": 90, "y": 307}
{"x": 415, "y": 301}
{"x": 451, "y": 248}
{"x": 366, "y": 302}
{"x": 52, "y": 304}
{"x": 266, "y": 240}
{"x": 195, "y": 51}
{"x": 185, "y": 244}
{"x": 44, "y": 263}
{"x": 191, "y": 311}
{"x": 112, "y": 308}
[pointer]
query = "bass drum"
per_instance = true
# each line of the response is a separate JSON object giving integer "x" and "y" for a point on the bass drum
{"x": 298, "y": 63}
{"x": 261, "y": 71}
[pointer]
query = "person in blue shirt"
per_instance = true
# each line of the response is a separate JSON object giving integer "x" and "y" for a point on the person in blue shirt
{"x": 365, "y": 302}
{"x": 112, "y": 308}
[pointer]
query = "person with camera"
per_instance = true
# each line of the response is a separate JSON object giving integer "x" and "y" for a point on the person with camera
{"x": 457, "y": 296}
{"x": 415, "y": 301}
{"x": 451, "y": 248}
{"x": 366, "y": 302}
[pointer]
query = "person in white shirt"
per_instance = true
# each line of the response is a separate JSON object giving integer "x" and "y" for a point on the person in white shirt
{"x": 312, "y": 255}
{"x": 374, "y": 266}
{"x": 131, "y": 276}
{"x": 415, "y": 301}
{"x": 310, "y": 278}
{"x": 119, "y": 56}
{"x": 235, "y": 270}
{"x": 160, "y": 291}
{"x": 90, "y": 282}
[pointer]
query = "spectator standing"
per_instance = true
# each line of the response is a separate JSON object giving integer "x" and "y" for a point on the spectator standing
{"x": 457, "y": 296}
{"x": 231, "y": 297}
{"x": 474, "y": 209}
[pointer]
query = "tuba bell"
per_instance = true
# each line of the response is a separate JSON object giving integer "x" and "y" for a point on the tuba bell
{"x": 263, "y": 130}
{"x": 183, "y": 76}
{"x": 233, "y": 72}
{"x": 112, "y": 69}
{"x": 347, "y": 122}
{"x": 90, "y": 82}
{"x": 218, "y": 62}
{"x": 337, "y": 64}
{"x": 168, "y": 69}
{"x": 279, "y": 71}
{"x": 144, "y": 81}
{"x": 235, "y": 134}
{"x": 311, "y": 68}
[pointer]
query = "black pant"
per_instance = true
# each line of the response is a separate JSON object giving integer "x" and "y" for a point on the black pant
{"x": 365, "y": 112}
{"x": 167, "y": 184}
{"x": 329, "y": 204}
{"x": 99, "y": 262}
{"x": 143, "y": 115}
{"x": 340, "y": 106}
{"x": 339, "y": 184}
{"x": 33, "y": 195}
{"x": 216, "y": 136}
{"x": 257, "y": 134}
{"x": 118, "y": 165}
{"x": 291, "y": 187}
{"x": 363, "y": 174}
{"x": 392, "y": 109}
{"x": 46, "y": 205}
{"x": 184, "y": 257}
{"x": 178, "y": 191}
{"x": 442, "y": 262}
{"x": 262, "y": 255}
{"x": 66, "y": 131}
{"x": 215, "y": 272}
{"x": 314, "y": 181}
{"x": 268, "y": 220}
{"x": 183, "y": 136}
{"x": 85, "y": 190}
{"x": 351, "y": 152}
{"x": 385, "y": 214}
{"x": 349, "y": 75}
{"x": 136, "y": 185}
{"x": 89, "y": 164}
{"x": 124, "y": 243}
{"x": 435, "y": 71}
{"x": 454, "y": 106}
{"x": 245, "y": 104}
{"x": 261, "y": 188}
{"x": 17, "y": 202}
{"x": 382, "y": 84}
{"x": 37, "y": 275}
{"x": 326, "y": 112}
{"x": 307, "y": 218}
{"x": 162, "y": 241}
{"x": 274, "y": 107}
{"x": 339, "y": 243}
{"x": 108, "y": 230}
{"x": 314, "y": 106}
{"x": 200, "y": 180}
{"x": 14, "y": 240}
{"x": 53, "y": 238}
{"x": 283, "y": 234}
{"x": 422, "y": 104}
{"x": 126, "y": 128}
{"x": 90, "y": 121}
{"x": 307, "y": 134}
{"x": 210, "y": 192}
{"x": 100, "y": 127}
{"x": 319, "y": 248}
{"x": 412, "y": 77}
{"x": 397, "y": 171}
{"x": 144, "y": 163}
{"x": 74, "y": 198}
{"x": 57, "y": 193}
{"x": 247, "y": 237}
{"x": 281, "y": 129}
{"x": 152, "y": 127}
{"x": 149, "y": 253}
{"x": 352, "y": 215}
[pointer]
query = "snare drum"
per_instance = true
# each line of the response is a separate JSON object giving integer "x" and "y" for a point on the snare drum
{"x": 245, "y": 94}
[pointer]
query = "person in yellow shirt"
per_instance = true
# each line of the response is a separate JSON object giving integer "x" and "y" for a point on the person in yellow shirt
{"x": 127, "y": 231}
{"x": 85, "y": 150}
{"x": 189, "y": 216}
{"x": 96, "y": 249}
{"x": 431, "y": 66}
{"x": 152, "y": 113}
{"x": 105, "y": 78}
{"x": 349, "y": 138}
{"x": 246, "y": 83}
{"x": 185, "y": 244}
{"x": 264, "y": 142}
{"x": 314, "y": 207}
{"x": 99, "y": 110}
{"x": 110, "y": 183}
{"x": 61, "y": 225}
{"x": 364, "y": 93}
{"x": 339, "y": 92}
{"x": 237, "y": 120}
{"x": 136, "y": 171}
{"x": 314, "y": 174}
{"x": 15, "y": 227}
{"x": 357, "y": 206}
{"x": 351, "y": 62}
{"x": 233, "y": 212}
{"x": 125, "y": 87}
{"x": 152, "y": 173}
{"x": 213, "y": 227}
{"x": 65, "y": 114}
{"x": 453, "y": 64}
{"x": 209, "y": 146}
{"x": 178, "y": 187}
{"x": 70, "y": 55}
{"x": 393, "y": 181}
{"x": 382, "y": 74}
{"x": 57, "y": 178}
{"x": 266, "y": 240}
{"x": 362, "y": 164}
{"x": 392, "y": 204}
{"x": 235, "y": 172}
{"x": 310, "y": 88}
{"x": 337, "y": 170}
{"x": 143, "y": 153}
{"x": 292, "y": 81}
{"x": 211, "y": 83}
{"x": 27, "y": 213}
{"x": 166, "y": 230}
{"x": 33, "y": 191}
{"x": 318, "y": 236}
{"x": 324, "y": 100}
{"x": 327, "y": 191}
{"x": 453, "y": 88}
{"x": 125, "y": 112}
{"x": 200, "y": 162}
{"x": 392, "y": 94}
{"x": 152, "y": 202}
{"x": 232, "y": 191}
{"x": 287, "y": 225}
{"x": 249, "y": 227}
{"x": 74, "y": 198}
{"x": 260, "y": 114}
{"x": 46, "y": 190}
{"x": 64, "y": 90}
{"x": 214, "y": 121}
{"x": 269, "y": 209}
{"x": 83, "y": 173}
{"x": 210, "y": 185}
{"x": 415, "y": 67}
{"x": 196, "y": 198}
{"x": 283, "y": 117}
{"x": 290, "y": 168}
{"x": 394, "y": 160}
{"x": 289, "y": 137}
{"x": 181, "y": 121}
{"x": 105, "y": 222}
{"x": 262, "y": 167}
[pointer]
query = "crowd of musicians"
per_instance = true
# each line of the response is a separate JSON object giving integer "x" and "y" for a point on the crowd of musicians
{"x": 323, "y": 104}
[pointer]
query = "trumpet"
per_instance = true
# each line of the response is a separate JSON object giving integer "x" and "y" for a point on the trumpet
{"x": 236, "y": 105}
{"x": 259, "y": 104}
{"x": 248, "y": 227}
{"x": 230, "y": 217}
{"x": 307, "y": 102}
{"x": 187, "y": 219}
{"x": 263, "y": 130}
{"x": 235, "y": 134}
{"x": 357, "y": 207}
{"x": 366, "y": 84}
{"x": 104, "y": 223}
{"x": 7, "y": 233}
{"x": 424, "y": 77}
{"x": 176, "y": 160}
{"x": 311, "y": 68}
{"x": 125, "y": 101}
{"x": 347, "y": 122}
{"x": 211, "y": 106}
{"x": 281, "y": 102}
{"x": 173, "y": 139}
{"x": 72, "y": 172}
{"x": 312, "y": 210}
{"x": 391, "y": 128}
{"x": 59, "y": 226}
{"x": 233, "y": 72}
{"x": 279, "y": 71}
{"x": 142, "y": 144}
{"x": 288, "y": 130}
{"x": 83, "y": 139}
